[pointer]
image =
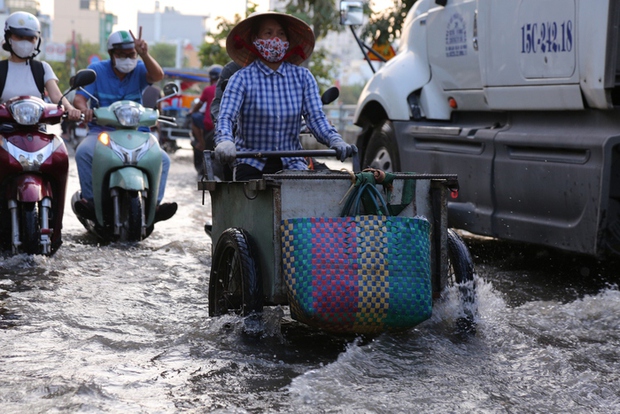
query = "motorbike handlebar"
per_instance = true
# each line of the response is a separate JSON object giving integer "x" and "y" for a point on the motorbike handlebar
{"x": 66, "y": 116}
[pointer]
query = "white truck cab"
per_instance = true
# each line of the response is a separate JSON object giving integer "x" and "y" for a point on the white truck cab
{"x": 522, "y": 100}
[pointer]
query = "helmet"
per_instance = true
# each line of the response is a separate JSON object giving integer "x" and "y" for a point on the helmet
{"x": 22, "y": 24}
{"x": 214, "y": 72}
{"x": 120, "y": 39}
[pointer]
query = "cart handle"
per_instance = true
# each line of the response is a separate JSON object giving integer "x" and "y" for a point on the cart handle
{"x": 209, "y": 155}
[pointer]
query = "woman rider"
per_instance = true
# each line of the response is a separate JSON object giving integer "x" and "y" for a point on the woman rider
{"x": 268, "y": 97}
{"x": 22, "y": 38}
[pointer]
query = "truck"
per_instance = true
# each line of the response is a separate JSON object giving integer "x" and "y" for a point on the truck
{"x": 521, "y": 99}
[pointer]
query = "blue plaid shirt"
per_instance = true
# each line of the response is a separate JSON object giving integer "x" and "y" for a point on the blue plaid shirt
{"x": 268, "y": 106}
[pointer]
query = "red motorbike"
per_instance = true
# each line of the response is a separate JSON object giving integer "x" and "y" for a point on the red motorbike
{"x": 34, "y": 165}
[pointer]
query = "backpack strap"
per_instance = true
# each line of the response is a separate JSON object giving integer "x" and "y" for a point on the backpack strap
{"x": 38, "y": 72}
{"x": 4, "y": 70}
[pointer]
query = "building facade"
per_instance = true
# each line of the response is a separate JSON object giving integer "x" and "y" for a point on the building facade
{"x": 81, "y": 19}
{"x": 170, "y": 26}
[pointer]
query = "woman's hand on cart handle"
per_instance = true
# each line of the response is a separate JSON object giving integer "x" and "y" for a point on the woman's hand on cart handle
{"x": 343, "y": 150}
{"x": 225, "y": 152}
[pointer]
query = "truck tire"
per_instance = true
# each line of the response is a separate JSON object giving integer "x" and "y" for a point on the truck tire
{"x": 235, "y": 285}
{"x": 382, "y": 152}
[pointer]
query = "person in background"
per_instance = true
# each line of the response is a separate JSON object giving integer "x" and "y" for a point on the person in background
{"x": 228, "y": 70}
{"x": 197, "y": 114}
{"x": 122, "y": 76}
{"x": 268, "y": 97}
{"x": 22, "y": 38}
{"x": 150, "y": 95}
{"x": 202, "y": 123}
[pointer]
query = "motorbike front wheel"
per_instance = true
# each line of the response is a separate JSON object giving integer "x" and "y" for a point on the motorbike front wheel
{"x": 30, "y": 228}
{"x": 235, "y": 284}
{"x": 131, "y": 216}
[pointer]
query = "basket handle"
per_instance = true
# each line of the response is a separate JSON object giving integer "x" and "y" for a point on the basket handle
{"x": 366, "y": 195}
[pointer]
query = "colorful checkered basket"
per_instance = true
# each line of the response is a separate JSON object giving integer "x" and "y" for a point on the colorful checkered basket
{"x": 364, "y": 274}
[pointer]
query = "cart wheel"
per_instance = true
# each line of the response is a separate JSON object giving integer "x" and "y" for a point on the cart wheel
{"x": 461, "y": 273}
{"x": 235, "y": 284}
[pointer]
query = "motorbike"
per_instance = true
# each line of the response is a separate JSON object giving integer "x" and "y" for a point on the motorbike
{"x": 127, "y": 166}
{"x": 73, "y": 132}
{"x": 179, "y": 106}
{"x": 76, "y": 132}
{"x": 34, "y": 166}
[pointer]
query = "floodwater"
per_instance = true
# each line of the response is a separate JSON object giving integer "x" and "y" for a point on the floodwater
{"x": 125, "y": 328}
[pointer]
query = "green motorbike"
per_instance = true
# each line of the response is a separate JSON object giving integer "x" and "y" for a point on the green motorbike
{"x": 127, "y": 166}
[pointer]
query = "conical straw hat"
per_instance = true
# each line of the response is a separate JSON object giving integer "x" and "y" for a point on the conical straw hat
{"x": 239, "y": 44}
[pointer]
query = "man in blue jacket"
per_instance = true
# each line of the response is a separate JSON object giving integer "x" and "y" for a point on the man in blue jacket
{"x": 122, "y": 76}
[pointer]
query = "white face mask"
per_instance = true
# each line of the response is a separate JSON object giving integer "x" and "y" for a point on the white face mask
{"x": 125, "y": 65}
{"x": 22, "y": 48}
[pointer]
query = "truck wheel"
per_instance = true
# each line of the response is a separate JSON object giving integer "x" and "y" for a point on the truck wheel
{"x": 381, "y": 151}
{"x": 461, "y": 273}
{"x": 30, "y": 228}
{"x": 131, "y": 212}
{"x": 235, "y": 285}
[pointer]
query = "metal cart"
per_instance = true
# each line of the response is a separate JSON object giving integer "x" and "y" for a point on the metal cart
{"x": 247, "y": 271}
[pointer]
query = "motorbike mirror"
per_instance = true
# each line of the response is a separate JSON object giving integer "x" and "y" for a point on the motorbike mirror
{"x": 84, "y": 77}
{"x": 171, "y": 89}
{"x": 351, "y": 13}
{"x": 330, "y": 95}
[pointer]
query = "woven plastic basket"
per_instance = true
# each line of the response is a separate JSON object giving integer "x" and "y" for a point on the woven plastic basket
{"x": 363, "y": 274}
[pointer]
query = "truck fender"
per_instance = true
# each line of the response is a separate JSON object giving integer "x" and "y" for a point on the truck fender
{"x": 402, "y": 75}
{"x": 129, "y": 178}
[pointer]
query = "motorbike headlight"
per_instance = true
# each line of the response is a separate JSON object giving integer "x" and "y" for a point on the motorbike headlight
{"x": 128, "y": 114}
{"x": 26, "y": 112}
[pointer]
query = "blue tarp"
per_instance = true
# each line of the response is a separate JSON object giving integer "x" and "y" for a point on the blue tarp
{"x": 188, "y": 74}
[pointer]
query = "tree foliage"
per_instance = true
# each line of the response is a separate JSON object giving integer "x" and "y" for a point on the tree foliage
{"x": 164, "y": 54}
{"x": 385, "y": 26}
{"x": 214, "y": 51}
{"x": 324, "y": 72}
{"x": 321, "y": 15}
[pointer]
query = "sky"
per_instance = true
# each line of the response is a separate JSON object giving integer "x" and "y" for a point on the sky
{"x": 127, "y": 10}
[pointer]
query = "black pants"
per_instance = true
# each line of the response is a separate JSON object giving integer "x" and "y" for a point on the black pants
{"x": 245, "y": 172}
